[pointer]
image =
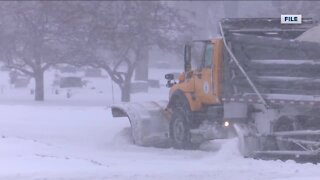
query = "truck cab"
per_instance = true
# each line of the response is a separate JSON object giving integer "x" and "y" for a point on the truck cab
{"x": 201, "y": 81}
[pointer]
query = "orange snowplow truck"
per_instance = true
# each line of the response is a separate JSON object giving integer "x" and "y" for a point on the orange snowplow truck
{"x": 259, "y": 82}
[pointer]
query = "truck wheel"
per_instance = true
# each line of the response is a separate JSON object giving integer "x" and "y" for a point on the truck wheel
{"x": 180, "y": 130}
{"x": 286, "y": 124}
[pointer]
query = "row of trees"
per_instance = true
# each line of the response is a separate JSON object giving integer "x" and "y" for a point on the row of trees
{"x": 114, "y": 36}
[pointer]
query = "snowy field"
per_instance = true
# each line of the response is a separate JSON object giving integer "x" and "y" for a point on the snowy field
{"x": 77, "y": 139}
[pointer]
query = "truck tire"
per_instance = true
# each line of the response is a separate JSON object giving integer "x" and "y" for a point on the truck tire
{"x": 179, "y": 130}
{"x": 286, "y": 124}
{"x": 180, "y": 127}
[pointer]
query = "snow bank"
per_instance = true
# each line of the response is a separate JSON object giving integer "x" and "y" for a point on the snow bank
{"x": 86, "y": 143}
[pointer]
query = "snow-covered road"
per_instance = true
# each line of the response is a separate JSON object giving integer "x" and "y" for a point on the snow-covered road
{"x": 78, "y": 142}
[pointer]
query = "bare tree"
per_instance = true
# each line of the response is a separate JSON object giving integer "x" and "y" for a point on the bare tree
{"x": 114, "y": 36}
{"x": 31, "y": 38}
{"x": 119, "y": 34}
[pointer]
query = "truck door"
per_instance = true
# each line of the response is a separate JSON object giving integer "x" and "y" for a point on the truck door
{"x": 204, "y": 80}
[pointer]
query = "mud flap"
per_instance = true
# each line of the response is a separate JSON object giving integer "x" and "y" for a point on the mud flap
{"x": 149, "y": 122}
{"x": 248, "y": 141}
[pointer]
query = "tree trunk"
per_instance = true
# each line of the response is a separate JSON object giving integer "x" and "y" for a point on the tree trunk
{"x": 126, "y": 86}
{"x": 141, "y": 72}
{"x": 39, "y": 86}
{"x": 125, "y": 92}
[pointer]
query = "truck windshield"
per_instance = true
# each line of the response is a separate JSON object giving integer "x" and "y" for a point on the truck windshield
{"x": 201, "y": 55}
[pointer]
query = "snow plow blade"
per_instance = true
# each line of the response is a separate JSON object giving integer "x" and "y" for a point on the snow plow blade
{"x": 149, "y": 122}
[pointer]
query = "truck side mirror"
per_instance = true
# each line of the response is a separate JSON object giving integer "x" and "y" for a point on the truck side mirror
{"x": 170, "y": 78}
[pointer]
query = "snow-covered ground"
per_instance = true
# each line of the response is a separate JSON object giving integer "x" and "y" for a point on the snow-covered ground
{"x": 77, "y": 138}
